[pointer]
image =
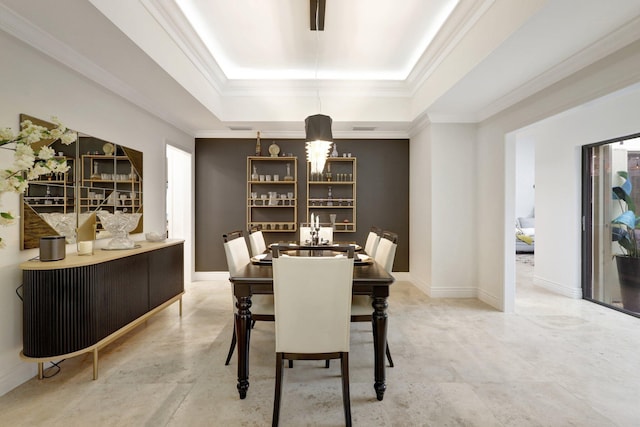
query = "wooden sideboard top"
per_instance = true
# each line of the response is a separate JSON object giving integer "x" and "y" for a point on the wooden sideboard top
{"x": 99, "y": 255}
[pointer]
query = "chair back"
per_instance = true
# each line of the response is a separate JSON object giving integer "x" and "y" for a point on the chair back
{"x": 326, "y": 234}
{"x": 235, "y": 248}
{"x": 305, "y": 234}
{"x": 373, "y": 239}
{"x": 312, "y": 298}
{"x": 386, "y": 250}
{"x": 256, "y": 240}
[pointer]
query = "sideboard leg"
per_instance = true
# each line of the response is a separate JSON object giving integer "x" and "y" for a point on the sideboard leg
{"x": 95, "y": 363}
{"x": 40, "y": 370}
{"x": 180, "y": 306}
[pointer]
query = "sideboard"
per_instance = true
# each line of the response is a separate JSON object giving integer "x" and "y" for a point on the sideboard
{"x": 81, "y": 303}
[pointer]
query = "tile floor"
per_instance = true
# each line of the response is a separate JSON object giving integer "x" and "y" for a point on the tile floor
{"x": 554, "y": 362}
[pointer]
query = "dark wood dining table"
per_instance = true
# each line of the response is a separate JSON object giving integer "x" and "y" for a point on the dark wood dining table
{"x": 257, "y": 278}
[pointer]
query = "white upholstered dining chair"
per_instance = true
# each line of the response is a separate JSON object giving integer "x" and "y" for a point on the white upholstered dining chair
{"x": 326, "y": 234}
{"x": 386, "y": 250}
{"x": 361, "y": 308}
{"x": 373, "y": 238}
{"x": 256, "y": 241}
{"x": 305, "y": 234}
{"x": 237, "y": 254}
{"x": 312, "y": 297}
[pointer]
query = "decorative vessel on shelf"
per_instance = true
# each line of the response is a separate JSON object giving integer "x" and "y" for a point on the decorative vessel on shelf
{"x": 119, "y": 225}
{"x": 274, "y": 149}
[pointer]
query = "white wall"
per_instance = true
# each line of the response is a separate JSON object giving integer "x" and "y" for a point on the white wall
{"x": 557, "y": 167}
{"x": 558, "y": 144}
{"x": 453, "y": 169}
{"x": 420, "y": 209}
{"x": 442, "y": 206}
{"x": 39, "y": 86}
{"x": 525, "y": 176}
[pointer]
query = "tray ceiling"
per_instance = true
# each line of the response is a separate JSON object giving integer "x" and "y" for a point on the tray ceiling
{"x": 210, "y": 66}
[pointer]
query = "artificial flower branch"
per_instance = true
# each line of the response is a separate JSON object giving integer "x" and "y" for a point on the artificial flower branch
{"x": 29, "y": 164}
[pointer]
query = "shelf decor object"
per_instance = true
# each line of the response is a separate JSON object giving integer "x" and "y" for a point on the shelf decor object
{"x": 274, "y": 149}
{"x": 258, "y": 146}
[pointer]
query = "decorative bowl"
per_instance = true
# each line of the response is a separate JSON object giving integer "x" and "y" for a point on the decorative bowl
{"x": 119, "y": 224}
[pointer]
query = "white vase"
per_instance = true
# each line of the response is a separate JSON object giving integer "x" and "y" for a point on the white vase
{"x": 334, "y": 153}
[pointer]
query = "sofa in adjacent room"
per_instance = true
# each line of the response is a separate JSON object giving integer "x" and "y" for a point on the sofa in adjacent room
{"x": 525, "y": 234}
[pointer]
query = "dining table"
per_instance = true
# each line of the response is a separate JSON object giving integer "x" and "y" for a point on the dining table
{"x": 369, "y": 278}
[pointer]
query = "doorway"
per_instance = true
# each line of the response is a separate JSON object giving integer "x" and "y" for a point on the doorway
{"x": 611, "y": 194}
{"x": 179, "y": 203}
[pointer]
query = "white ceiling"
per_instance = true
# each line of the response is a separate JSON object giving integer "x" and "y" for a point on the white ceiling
{"x": 362, "y": 39}
{"x": 209, "y": 66}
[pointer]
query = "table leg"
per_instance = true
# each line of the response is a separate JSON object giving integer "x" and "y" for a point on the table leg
{"x": 243, "y": 332}
{"x": 379, "y": 326}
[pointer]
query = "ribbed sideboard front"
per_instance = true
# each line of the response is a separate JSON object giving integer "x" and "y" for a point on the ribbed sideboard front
{"x": 68, "y": 309}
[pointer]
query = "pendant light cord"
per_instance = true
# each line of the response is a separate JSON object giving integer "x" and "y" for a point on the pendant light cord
{"x": 318, "y": 55}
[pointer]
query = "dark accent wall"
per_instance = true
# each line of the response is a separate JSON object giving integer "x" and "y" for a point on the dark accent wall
{"x": 221, "y": 191}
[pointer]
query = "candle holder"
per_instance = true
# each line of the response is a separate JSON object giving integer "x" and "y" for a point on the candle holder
{"x": 85, "y": 247}
{"x": 315, "y": 235}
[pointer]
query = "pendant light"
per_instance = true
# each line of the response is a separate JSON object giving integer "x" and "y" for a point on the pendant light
{"x": 318, "y": 135}
{"x": 318, "y": 141}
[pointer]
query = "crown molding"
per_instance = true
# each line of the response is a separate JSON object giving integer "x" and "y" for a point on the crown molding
{"x": 421, "y": 123}
{"x": 28, "y": 33}
{"x": 621, "y": 37}
{"x": 170, "y": 17}
{"x": 464, "y": 17}
{"x": 436, "y": 117}
{"x": 275, "y": 134}
{"x": 376, "y": 88}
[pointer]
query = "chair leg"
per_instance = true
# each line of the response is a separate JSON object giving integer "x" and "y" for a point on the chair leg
{"x": 253, "y": 323}
{"x": 389, "y": 356}
{"x": 290, "y": 363}
{"x": 327, "y": 363}
{"x": 233, "y": 346}
{"x": 278, "y": 390}
{"x": 346, "y": 399}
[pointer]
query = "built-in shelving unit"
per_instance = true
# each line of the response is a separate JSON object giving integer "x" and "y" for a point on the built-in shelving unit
{"x": 272, "y": 189}
{"x": 334, "y": 193}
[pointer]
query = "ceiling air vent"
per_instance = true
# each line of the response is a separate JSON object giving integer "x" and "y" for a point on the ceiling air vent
{"x": 240, "y": 128}
{"x": 363, "y": 128}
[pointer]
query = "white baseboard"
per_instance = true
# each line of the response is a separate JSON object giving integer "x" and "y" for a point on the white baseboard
{"x": 491, "y": 300}
{"x": 557, "y": 288}
{"x": 199, "y": 276}
{"x": 454, "y": 292}
{"x": 423, "y": 286}
{"x": 402, "y": 276}
{"x": 16, "y": 375}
